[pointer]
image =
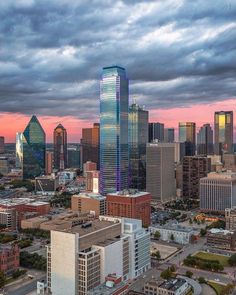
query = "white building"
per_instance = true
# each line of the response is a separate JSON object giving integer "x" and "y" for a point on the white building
{"x": 80, "y": 258}
{"x": 174, "y": 232}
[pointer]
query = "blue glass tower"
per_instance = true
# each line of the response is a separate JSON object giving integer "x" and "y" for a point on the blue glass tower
{"x": 114, "y": 154}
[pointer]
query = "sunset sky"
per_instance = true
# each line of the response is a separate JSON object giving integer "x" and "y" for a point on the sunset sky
{"x": 180, "y": 57}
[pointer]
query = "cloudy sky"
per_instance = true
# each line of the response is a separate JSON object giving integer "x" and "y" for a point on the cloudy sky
{"x": 180, "y": 57}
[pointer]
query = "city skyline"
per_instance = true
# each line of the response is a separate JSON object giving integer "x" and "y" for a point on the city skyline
{"x": 177, "y": 64}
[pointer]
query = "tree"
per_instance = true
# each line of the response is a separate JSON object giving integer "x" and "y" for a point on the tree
{"x": 172, "y": 268}
{"x": 166, "y": 274}
{"x": 157, "y": 235}
{"x": 156, "y": 255}
{"x": 227, "y": 289}
{"x": 232, "y": 260}
{"x": 189, "y": 274}
{"x": 190, "y": 221}
{"x": 201, "y": 280}
{"x": 172, "y": 237}
{"x": 203, "y": 232}
{"x": 2, "y": 279}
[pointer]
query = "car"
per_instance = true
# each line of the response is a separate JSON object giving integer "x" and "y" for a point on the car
{"x": 217, "y": 280}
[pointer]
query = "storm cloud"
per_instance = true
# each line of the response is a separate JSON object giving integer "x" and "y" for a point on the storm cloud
{"x": 177, "y": 53}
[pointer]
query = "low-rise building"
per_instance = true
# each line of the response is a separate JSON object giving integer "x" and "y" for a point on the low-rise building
{"x": 174, "y": 232}
{"x": 46, "y": 185}
{"x": 174, "y": 286}
{"x": 9, "y": 258}
{"x": 8, "y": 218}
{"x": 221, "y": 239}
{"x": 230, "y": 219}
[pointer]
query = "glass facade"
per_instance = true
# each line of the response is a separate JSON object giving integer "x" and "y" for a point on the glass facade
{"x": 205, "y": 140}
{"x": 223, "y": 132}
{"x": 187, "y": 134}
{"x": 33, "y": 143}
{"x": 19, "y": 150}
{"x": 155, "y": 131}
{"x": 138, "y": 137}
{"x": 60, "y": 147}
{"x": 114, "y": 162}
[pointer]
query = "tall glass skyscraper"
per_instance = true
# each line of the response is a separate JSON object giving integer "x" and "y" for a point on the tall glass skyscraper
{"x": 114, "y": 154}
{"x": 30, "y": 149}
{"x": 138, "y": 138}
{"x": 205, "y": 140}
{"x": 187, "y": 134}
{"x": 155, "y": 131}
{"x": 60, "y": 147}
{"x": 223, "y": 132}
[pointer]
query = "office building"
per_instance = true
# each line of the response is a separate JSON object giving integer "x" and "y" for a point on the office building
{"x": 89, "y": 203}
{"x": 8, "y": 218}
{"x": 138, "y": 138}
{"x": 205, "y": 144}
{"x": 81, "y": 257}
{"x": 169, "y": 134}
{"x": 218, "y": 192}
{"x": 49, "y": 163}
{"x": 223, "y": 132}
{"x": 46, "y": 185}
{"x": 194, "y": 168}
{"x": 230, "y": 219}
{"x": 172, "y": 286}
{"x": 155, "y": 132}
{"x": 229, "y": 162}
{"x": 131, "y": 204}
{"x": 89, "y": 166}
{"x": 89, "y": 148}
{"x": 4, "y": 165}
{"x": 92, "y": 179}
{"x": 114, "y": 154}
{"x": 9, "y": 258}
{"x": 74, "y": 156}
{"x": 187, "y": 134}
{"x": 30, "y": 149}
{"x": 60, "y": 147}
{"x": 221, "y": 239}
{"x": 2, "y": 144}
{"x": 160, "y": 171}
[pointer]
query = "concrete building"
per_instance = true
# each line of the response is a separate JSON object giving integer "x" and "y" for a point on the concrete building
{"x": 131, "y": 204}
{"x": 160, "y": 169}
{"x": 4, "y": 166}
{"x": 218, "y": 192}
{"x": 9, "y": 258}
{"x": 174, "y": 232}
{"x": 229, "y": 162}
{"x": 92, "y": 181}
{"x": 81, "y": 257}
{"x": 194, "y": 168}
{"x": 169, "y": 134}
{"x": 89, "y": 202}
{"x": 89, "y": 166}
{"x": 187, "y": 134}
{"x": 173, "y": 286}
{"x": 46, "y": 185}
{"x": 216, "y": 164}
{"x": 8, "y": 218}
{"x": 230, "y": 219}
{"x": 221, "y": 239}
{"x": 49, "y": 163}
{"x": 2, "y": 144}
{"x": 155, "y": 132}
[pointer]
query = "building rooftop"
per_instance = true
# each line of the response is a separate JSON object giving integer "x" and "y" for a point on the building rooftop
{"x": 90, "y": 195}
{"x": 105, "y": 290}
{"x": 227, "y": 175}
{"x": 171, "y": 284}
{"x": 131, "y": 193}
{"x": 220, "y": 231}
{"x": 175, "y": 227}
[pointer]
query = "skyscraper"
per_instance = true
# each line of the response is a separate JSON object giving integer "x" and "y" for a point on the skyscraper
{"x": 187, "y": 134}
{"x": 30, "y": 149}
{"x": 205, "y": 140}
{"x": 60, "y": 147}
{"x": 138, "y": 137}
{"x": 114, "y": 154}
{"x": 223, "y": 132}
{"x": 155, "y": 131}
{"x": 89, "y": 150}
{"x": 169, "y": 134}
{"x": 2, "y": 143}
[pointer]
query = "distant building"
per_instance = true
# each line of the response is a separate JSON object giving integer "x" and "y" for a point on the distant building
{"x": 89, "y": 166}
{"x": 4, "y": 165}
{"x": 218, "y": 192}
{"x": 155, "y": 132}
{"x": 49, "y": 163}
{"x": 221, "y": 239}
{"x": 229, "y": 162}
{"x": 194, "y": 168}
{"x": 74, "y": 157}
{"x": 187, "y": 134}
{"x": 2, "y": 144}
{"x": 160, "y": 170}
{"x": 138, "y": 138}
{"x": 89, "y": 203}
{"x": 223, "y": 132}
{"x": 173, "y": 286}
{"x": 216, "y": 164}
{"x": 205, "y": 140}
{"x": 46, "y": 185}
{"x": 60, "y": 147}
{"x": 131, "y": 204}
{"x": 8, "y": 218}
{"x": 92, "y": 181}
{"x": 169, "y": 134}
{"x": 230, "y": 219}
{"x": 9, "y": 258}
{"x": 30, "y": 149}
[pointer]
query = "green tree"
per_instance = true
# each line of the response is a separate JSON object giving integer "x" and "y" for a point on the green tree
{"x": 156, "y": 255}
{"x": 190, "y": 221}
{"x": 172, "y": 237}
{"x": 166, "y": 274}
{"x": 201, "y": 280}
{"x": 172, "y": 268}
{"x": 2, "y": 279}
{"x": 203, "y": 232}
{"x": 157, "y": 235}
{"x": 232, "y": 260}
{"x": 189, "y": 274}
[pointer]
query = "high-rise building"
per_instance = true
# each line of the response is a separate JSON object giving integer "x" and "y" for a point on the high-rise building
{"x": 223, "y": 132}
{"x": 205, "y": 140}
{"x": 169, "y": 134}
{"x": 187, "y": 134}
{"x": 30, "y": 149}
{"x": 194, "y": 168}
{"x": 81, "y": 257}
{"x": 155, "y": 131}
{"x": 2, "y": 144}
{"x": 4, "y": 165}
{"x": 114, "y": 154}
{"x": 89, "y": 166}
{"x": 60, "y": 147}
{"x": 74, "y": 156}
{"x": 138, "y": 138}
{"x": 92, "y": 181}
{"x": 160, "y": 171}
{"x": 49, "y": 162}
{"x": 131, "y": 204}
{"x": 218, "y": 192}
{"x": 230, "y": 219}
{"x": 89, "y": 149}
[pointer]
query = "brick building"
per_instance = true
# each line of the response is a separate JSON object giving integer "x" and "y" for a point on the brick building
{"x": 9, "y": 258}
{"x": 221, "y": 239}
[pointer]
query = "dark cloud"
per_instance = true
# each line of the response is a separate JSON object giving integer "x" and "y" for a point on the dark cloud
{"x": 177, "y": 53}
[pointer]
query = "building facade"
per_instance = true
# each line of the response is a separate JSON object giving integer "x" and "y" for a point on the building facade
{"x": 205, "y": 144}
{"x": 114, "y": 154}
{"x": 230, "y": 219}
{"x": 9, "y": 258}
{"x": 138, "y": 138}
{"x": 187, "y": 134}
{"x": 169, "y": 134}
{"x": 49, "y": 162}
{"x": 221, "y": 239}
{"x": 172, "y": 286}
{"x": 2, "y": 144}
{"x": 155, "y": 132}
{"x": 60, "y": 147}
